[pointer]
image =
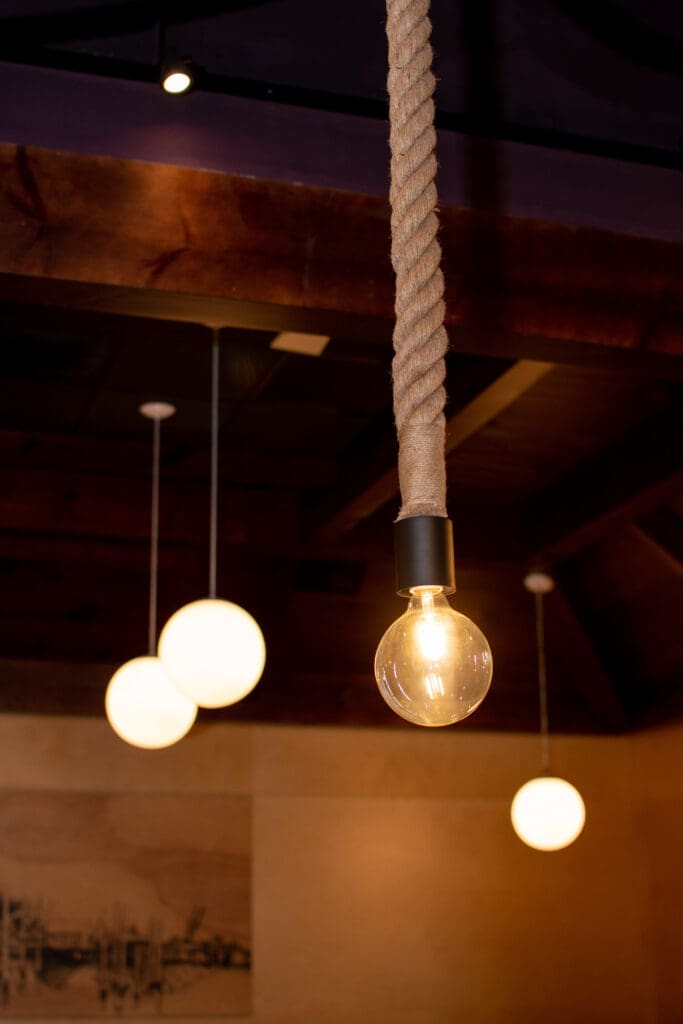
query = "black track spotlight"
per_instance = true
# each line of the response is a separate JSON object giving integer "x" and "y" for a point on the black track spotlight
{"x": 178, "y": 76}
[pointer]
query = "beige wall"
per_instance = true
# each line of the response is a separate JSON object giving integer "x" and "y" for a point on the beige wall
{"x": 388, "y": 884}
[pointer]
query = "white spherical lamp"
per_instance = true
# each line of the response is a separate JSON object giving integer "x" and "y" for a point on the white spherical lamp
{"x": 144, "y": 708}
{"x": 213, "y": 651}
{"x": 548, "y": 813}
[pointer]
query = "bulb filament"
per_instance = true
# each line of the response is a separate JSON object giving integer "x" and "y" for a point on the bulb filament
{"x": 434, "y": 685}
{"x": 430, "y": 634}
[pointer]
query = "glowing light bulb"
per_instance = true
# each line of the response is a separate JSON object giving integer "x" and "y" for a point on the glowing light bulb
{"x": 433, "y": 665}
{"x": 144, "y": 708}
{"x": 213, "y": 651}
{"x": 548, "y": 813}
{"x": 176, "y": 82}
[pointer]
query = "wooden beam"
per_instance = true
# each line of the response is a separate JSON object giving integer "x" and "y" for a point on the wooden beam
{"x": 209, "y": 310}
{"x": 372, "y": 329}
{"x": 90, "y": 505}
{"x": 179, "y": 238}
{"x": 664, "y": 528}
{"x": 493, "y": 400}
{"x": 484, "y": 407}
{"x": 641, "y": 473}
{"x": 565, "y": 631}
{"x": 75, "y": 453}
{"x": 630, "y": 601}
{"x": 109, "y": 554}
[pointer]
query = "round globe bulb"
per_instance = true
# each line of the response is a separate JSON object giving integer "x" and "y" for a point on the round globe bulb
{"x": 213, "y": 651}
{"x": 144, "y": 708}
{"x": 177, "y": 82}
{"x": 433, "y": 666}
{"x": 548, "y": 813}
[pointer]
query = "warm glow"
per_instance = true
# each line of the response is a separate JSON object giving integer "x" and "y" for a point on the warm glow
{"x": 433, "y": 666}
{"x": 548, "y": 813}
{"x": 431, "y": 637}
{"x": 144, "y": 708}
{"x": 213, "y": 651}
{"x": 176, "y": 82}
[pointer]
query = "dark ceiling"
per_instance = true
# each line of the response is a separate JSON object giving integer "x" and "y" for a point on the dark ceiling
{"x": 601, "y": 77}
{"x": 564, "y": 374}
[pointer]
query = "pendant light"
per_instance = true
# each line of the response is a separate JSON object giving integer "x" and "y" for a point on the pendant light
{"x": 213, "y": 650}
{"x": 548, "y": 813}
{"x": 433, "y": 665}
{"x": 142, "y": 705}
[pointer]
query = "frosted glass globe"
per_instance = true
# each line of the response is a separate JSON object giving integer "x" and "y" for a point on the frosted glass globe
{"x": 548, "y": 813}
{"x": 213, "y": 651}
{"x": 433, "y": 665}
{"x": 144, "y": 708}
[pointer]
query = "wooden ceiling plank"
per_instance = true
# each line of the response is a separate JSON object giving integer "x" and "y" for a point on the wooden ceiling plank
{"x": 494, "y": 399}
{"x": 208, "y": 239}
{"x": 643, "y": 472}
{"x": 663, "y": 528}
{"x": 112, "y": 554}
{"x": 592, "y": 681}
{"x": 560, "y": 538}
{"x": 504, "y": 391}
{"x": 40, "y": 449}
{"x": 89, "y": 505}
{"x": 370, "y": 329}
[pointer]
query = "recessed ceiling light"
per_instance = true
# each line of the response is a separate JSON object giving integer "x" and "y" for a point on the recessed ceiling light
{"x": 301, "y": 344}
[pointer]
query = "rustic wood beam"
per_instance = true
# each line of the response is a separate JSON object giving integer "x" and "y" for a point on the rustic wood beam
{"x": 664, "y": 528}
{"x": 209, "y": 310}
{"x": 466, "y": 421}
{"x": 83, "y": 519}
{"x": 36, "y": 450}
{"x": 565, "y": 631}
{"x": 208, "y": 243}
{"x": 641, "y": 473}
{"x": 108, "y": 555}
{"x": 372, "y": 329}
{"x": 89, "y": 505}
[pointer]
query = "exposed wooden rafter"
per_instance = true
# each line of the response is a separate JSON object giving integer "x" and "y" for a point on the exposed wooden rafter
{"x": 460, "y": 425}
{"x": 189, "y": 244}
{"x": 596, "y": 688}
{"x": 664, "y": 528}
{"x": 641, "y": 473}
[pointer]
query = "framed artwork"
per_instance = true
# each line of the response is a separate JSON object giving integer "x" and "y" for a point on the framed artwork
{"x": 124, "y": 905}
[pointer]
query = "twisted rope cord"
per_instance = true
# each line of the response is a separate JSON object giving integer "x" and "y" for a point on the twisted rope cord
{"x": 420, "y": 340}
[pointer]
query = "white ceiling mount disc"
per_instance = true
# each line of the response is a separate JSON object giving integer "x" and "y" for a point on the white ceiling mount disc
{"x": 157, "y": 410}
{"x": 539, "y": 582}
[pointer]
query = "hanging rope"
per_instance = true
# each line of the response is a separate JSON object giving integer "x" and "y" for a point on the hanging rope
{"x": 420, "y": 340}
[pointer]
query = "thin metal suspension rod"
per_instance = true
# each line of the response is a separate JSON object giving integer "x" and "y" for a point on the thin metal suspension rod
{"x": 213, "y": 527}
{"x": 542, "y": 684}
{"x": 154, "y": 547}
